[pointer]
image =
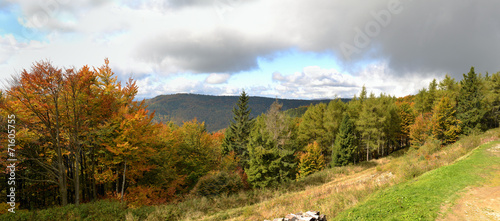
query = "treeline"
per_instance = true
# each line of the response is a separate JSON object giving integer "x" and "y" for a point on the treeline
{"x": 80, "y": 136}
{"x": 275, "y": 147}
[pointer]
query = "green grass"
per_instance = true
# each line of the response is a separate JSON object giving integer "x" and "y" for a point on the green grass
{"x": 422, "y": 198}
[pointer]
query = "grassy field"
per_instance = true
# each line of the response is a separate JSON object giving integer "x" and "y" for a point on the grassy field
{"x": 423, "y": 197}
{"x": 397, "y": 187}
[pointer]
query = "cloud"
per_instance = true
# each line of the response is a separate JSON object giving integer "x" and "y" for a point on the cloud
{"x": 155, "y": 85}
{"x": 220, "y": 51}
{"x": 414, "y": 40}
{"x": 217, "y": 78}
{"x": 315, "y": 82}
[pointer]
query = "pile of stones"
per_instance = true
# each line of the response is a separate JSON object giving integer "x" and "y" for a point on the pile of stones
{"x": 307, "y": 216}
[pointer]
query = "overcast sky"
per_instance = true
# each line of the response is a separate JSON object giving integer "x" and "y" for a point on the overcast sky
{"x": 274, "y": 48}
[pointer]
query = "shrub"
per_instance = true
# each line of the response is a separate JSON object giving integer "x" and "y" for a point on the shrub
{"x": 217, "y": 183}
{"x": 311, "y": 161}
{"x": 145, "y": 196}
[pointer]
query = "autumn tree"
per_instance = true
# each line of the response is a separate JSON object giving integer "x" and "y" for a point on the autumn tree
{"x": 35, "y": 98}
{"x": 407, "y": 114}
{"x": 420, "y": 130}
{"x": 311, "y": 160}
{"x": 445, "y": 125}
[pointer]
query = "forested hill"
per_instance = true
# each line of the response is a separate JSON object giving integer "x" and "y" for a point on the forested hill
{"x": 215, "y": 111}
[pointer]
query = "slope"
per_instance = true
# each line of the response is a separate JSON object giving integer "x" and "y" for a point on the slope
{"x": 422, "y": 198}
{"x": 394, "y": 190}
{"x": 215, "y": 111}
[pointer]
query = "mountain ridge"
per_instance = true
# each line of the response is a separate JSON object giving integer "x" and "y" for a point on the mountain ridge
{"x": 215, "y": 111}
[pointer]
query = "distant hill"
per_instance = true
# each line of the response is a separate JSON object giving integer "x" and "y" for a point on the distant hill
{"x": 216, "y": 111}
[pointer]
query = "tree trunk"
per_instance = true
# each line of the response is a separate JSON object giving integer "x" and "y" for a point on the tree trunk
{"x": 367, "y": 151}
{"x": 77, "y": 177}
{"x": 63, "y": 189}
{"x": 94, "y": 189}
{"x": 123, "y": 183}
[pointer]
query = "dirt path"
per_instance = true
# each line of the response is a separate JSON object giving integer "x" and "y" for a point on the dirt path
{"x": 478, "y": 203}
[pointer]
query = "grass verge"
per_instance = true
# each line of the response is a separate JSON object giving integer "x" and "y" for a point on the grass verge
{"x": 422, "y": 198}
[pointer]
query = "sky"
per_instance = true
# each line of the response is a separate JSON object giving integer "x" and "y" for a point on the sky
{"x": 292, "y": 49}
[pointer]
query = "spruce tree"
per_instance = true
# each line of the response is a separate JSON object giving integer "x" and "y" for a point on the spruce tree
{"x": 344, "y": 147}
{"x": 492, "y": 96}
{"x": 237, "y": 135}
{"x": 271, "y": 149}
{"x": 469, "y": 105}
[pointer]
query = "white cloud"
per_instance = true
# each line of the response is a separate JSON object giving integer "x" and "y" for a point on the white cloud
{"x": 217, "y": 78}
{"x": 314, "y": 82}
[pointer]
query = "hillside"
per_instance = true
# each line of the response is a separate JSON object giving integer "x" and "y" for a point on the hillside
{"x": 215, "y": 111}
{"x": 454, "y": 182}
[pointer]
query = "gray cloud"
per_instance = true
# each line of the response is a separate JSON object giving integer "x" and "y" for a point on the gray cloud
{"x": 449, "y": 36}
{"x": 423, "y": 37}
{"x": 221, "y": 51}
{"x": 420, "y": 37}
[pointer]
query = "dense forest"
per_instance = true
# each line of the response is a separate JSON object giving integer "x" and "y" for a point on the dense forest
{"x": 81, "y": 136}
{"x": 215, "y": 111}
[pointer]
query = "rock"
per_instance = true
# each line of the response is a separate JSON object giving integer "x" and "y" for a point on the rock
{"x": 307, "y": 216}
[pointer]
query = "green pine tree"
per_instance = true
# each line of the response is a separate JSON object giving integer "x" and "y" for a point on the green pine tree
{"x": 237, "y": 135}
{"x": 469, "y": 105}
{"x": 492, "y": 97}
{"x": 344, "y": 147}
{"x": 271, "y": 149}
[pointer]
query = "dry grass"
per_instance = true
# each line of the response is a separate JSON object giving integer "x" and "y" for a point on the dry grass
{"x": 345, "y": 191}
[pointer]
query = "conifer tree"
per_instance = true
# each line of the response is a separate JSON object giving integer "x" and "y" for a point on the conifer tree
{"x": 492, "y": 97}
{"x": 445, "y": 125}
{"x": 333, "y": 119}
{"x": 448, "y": 87}
{"x": 431, "y": 96}
{"x": 237, "y": 135}
{"x": 312, "y": 128}
{"x": 344, "y": 143}
{"x": 407, "y": 114}
{"x": 368, "y": 124}
{"x": 469, "y": 106}
{"x": 271, "y": 155}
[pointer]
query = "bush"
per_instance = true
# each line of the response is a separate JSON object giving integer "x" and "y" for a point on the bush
{"x": 311, "y": 161}
{"x": 217, "y": 183}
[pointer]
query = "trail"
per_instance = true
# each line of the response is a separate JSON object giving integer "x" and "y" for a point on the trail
{"x": 480, "y": 202}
